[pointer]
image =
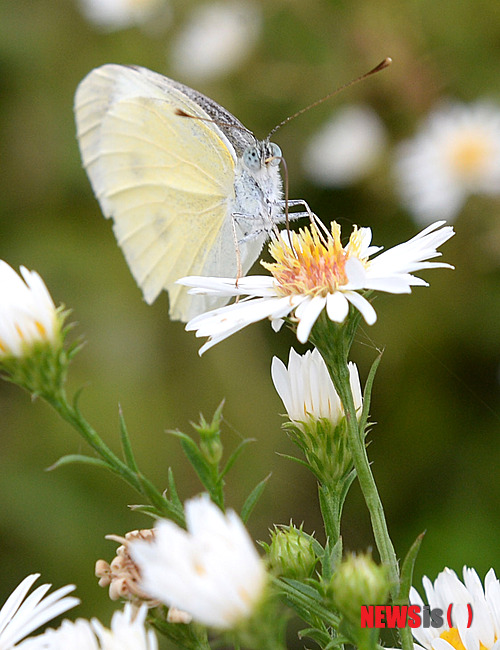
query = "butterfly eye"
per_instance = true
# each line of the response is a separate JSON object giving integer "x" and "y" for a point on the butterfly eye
{"x": 252, "y": 158}
{"x": 275, "y": 154}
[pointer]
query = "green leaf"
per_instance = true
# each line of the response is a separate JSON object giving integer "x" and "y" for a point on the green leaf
{"x": 234, "y": 456}
{"x": 367, "y": 395}
{"x": 252, "y": 499}
{"x": 125, "y": 440}
{"x": 172, "y": 490}
{"x": 197, "y": 460}
{"x": 306, "y": 601}
{"x": 78, "y": 458}
{"x": 407, "y": 571}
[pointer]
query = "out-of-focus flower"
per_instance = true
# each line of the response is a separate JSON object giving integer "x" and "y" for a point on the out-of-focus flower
{"x": 127, "y": 633}
{"x": 455, "y": 154}
{"x": 307, "y": 391}
{"x": 22, "y": 614}
{"x": 27, "y": 313}
{"x": 315, "y": 272}
{"x": 212, "y": 571}
{"x": 216, "y": 40}
{"x": 448, "y": 590}
{"x": 346, "y": 147}
{"x": 112, "y": 15}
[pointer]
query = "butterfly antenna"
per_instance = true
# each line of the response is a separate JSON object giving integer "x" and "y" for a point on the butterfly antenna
{"x": 381, "y": 66}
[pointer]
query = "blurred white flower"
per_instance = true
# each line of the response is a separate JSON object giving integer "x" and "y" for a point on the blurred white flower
{"x": 212, "y": 570}
{"x": 449, "y": 590}
{"x": 346, "y": 147}
{"x": 455, "y": 154}
{"x": 112, "y": 15}
{"x": 216, "y": 40}
{"x": 127, "y": 633}
{"x": 306, "y": 389}
{"x": 313, "y": 273}
{"x": 21, "y": 615}
{"x": 27, "y": 312}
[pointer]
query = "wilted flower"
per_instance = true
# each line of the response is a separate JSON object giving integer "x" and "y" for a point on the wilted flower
{"x": 216, "y": 40}
{"x": 212, "y": 571}
{"x": 315, "y": 272}
{"x": 346, "y": 147}
{"x": 455, "y": 154}
{"x": 122, "y": 575}
{"x": 22, "y": 614}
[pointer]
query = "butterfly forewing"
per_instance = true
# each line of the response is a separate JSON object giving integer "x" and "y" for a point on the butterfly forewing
{"x": 166, "y": 181}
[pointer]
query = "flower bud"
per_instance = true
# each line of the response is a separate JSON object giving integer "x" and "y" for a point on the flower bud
{"x": 359, "y": 581}
{"x": 291, "y": 552}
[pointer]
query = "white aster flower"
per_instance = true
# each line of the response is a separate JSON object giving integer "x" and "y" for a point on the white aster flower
{"x": 346, "y": 148}
{"x": 112, "y": 15}
{"x": 314, "y": 273}
{"x": 212, "y": 570}
{"x": 27, "y": 312}
{"x": 127, "y": 633}
{"x": 307, "y": 391}
{"x": 216, "y": 40}
{"x": 483, "y": 633}
{"x": 22, "y": 614}
{"x": 455, "y": 154}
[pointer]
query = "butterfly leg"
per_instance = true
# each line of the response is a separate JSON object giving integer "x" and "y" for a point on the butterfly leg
{"x": 239, "y": 271}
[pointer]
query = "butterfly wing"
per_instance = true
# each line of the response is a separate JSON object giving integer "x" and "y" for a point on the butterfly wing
{"x": 166, "y": 181}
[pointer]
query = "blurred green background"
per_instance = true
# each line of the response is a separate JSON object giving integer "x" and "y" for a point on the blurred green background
{"x": 435, "y": 447}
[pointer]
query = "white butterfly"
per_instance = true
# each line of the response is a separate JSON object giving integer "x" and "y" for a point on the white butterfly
{"x": 187, "y": 196}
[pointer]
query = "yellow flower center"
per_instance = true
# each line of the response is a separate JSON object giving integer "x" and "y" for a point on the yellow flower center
{"x": 469, "y": 154}
{"x": 313, "y": 263}
{"x": 453, "y": 638}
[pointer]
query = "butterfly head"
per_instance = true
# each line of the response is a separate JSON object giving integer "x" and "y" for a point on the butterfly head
{"x": 261, "y": 154}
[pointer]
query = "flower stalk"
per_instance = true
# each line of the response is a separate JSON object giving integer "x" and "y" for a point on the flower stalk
{"x": 334, "y": 344}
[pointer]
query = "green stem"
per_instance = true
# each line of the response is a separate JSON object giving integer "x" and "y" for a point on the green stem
{"x": 133, "y": 477}
{"x": 330, "y": 501}
{"x": 340, "y": 377}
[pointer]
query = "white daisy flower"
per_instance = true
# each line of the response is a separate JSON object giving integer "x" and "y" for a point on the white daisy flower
{"x": 113, "y": 15}
{"x": 212, "y": 570}
{"x": 455, "y": 154}
{"x": 447, "y": 589}
{"x": 216, "y": 40}
{"x": 346, "y": 148}
{"x": 307, "y": 391}
{"x": 77, "y": 636}
{"x": 27, "y": 313}
{"x": 313, "y": 273}
{"x": 127, "y": 633}
{"x": 22, "y": 614}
